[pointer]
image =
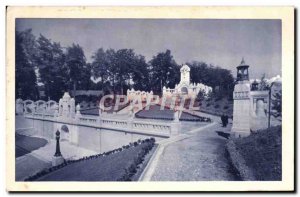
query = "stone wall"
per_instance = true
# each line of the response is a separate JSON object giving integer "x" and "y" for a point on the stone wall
{"x": 96, "y": 139}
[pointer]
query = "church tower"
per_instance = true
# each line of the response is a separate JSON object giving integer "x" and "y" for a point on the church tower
{"x": 185, "y": 75}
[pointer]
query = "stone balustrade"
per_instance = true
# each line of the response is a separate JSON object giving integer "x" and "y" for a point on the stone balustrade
{"x": 127, "y": 125}
{"x": 65, "y": 112}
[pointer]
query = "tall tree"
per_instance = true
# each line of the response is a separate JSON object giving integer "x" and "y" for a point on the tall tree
{"x": 213, "y": 77}
{"x": 100, "y": 65}
{"x": 50, "y": 60}
{"x": 140, "y": 74}
{"x": 26, "y": 81}
{"x": 76, "y": 65}
{"x": 164, "y": 71}
{"x": 122, "y": 69}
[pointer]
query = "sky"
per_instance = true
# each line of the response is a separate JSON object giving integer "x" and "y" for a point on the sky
{"x": 218, "y": 42}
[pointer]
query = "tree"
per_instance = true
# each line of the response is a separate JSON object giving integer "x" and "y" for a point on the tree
{"x": 221, "y": 80}
{"x": 140, "y": 74}
{"x": 122, "y": 69}
{"x": 201, "y": 95}
{"x": 85, "y": 81}
{"x": 100, "y": 65}
{"x": 50, "y": 61}
{"x": 164, "y": 71}
{"x": 26, "y": 81}
{"x": 277, "y": 103}
{"x": 263, "y": 83}
{"x": 76, "y": 66}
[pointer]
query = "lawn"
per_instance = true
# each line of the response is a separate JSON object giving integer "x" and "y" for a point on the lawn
{"x": 26, "y": 144}
{"x": 112, "y": 167}
{"x": 262, "y": 153}
{"x": 217, "y": 106}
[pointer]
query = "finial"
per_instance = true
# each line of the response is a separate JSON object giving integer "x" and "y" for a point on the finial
{"x": 243, "y": 61}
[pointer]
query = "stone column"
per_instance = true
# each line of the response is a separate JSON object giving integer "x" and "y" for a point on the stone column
{"x": 175, "y": 125}
{"x": 241, "y": 109}
{"x": 19, "y": 107}
{"x": 259, "y": 119}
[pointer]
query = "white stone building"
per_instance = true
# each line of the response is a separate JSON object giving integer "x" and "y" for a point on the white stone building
{"x": 185, "y": 87}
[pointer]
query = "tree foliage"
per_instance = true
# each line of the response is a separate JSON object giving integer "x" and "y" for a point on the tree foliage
{"x": 164, "y": 71}
{"x": 78, "y": 71}
{"x": 263, "y": 85}
{"x": 277, "y": 103}
{"x": 59, "y": 69}
{"x": 26, "y": 80}
{"x": 121, "y": 69}
{"x": 221, "y": 80}
{"x": 50, "y": 61}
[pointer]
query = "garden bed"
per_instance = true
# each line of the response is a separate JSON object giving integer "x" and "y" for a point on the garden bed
{"x": 117, "y": 165}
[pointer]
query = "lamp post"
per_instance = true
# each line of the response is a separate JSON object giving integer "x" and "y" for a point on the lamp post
{"x": 57, "y": 159}
{"x": 57, "y": 151}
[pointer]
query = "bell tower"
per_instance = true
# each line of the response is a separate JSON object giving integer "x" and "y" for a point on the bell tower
{"x": 185, "y": 74}
{"x": 241, "y": 107}
{"x": 242, "y": 71}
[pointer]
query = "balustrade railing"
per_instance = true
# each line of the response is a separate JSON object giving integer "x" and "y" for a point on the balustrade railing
{"x": 164, "y": 129}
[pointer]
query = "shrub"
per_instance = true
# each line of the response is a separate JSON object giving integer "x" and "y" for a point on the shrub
{"x": 225, "y": 107}
{"x": 217, "y": 106}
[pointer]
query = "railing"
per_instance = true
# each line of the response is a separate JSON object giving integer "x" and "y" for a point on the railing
{"x": 127, "y": 125}
{"x": 87, "y": 120}
{"x": 149, "y": 126}
{"x": 114, "y": 123}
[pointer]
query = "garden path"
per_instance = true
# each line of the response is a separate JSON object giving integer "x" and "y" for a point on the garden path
{"x": 198, "y": 155}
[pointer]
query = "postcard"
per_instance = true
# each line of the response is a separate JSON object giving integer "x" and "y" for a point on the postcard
{"x": 147, "y": 99}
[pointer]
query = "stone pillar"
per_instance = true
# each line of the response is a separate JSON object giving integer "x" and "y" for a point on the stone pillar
{"x": 57, "y": 159}
{"x": 78, "y": 114}
{"x": 259, "y": 119}
{"x": 176, "y": 116}
{"x": 72, "y": 107}
{"x": 241, "y": 109}
{"x": 19, "y": 107}
{"x": 175, "y": 124}
{"x": 175, "y": 128}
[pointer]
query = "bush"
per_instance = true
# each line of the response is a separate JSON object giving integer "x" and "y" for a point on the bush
{"x": 225, "y": 107}
{"x": 217, "y": 106}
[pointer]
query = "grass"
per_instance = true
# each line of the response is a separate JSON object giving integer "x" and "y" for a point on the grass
{"x": 26, "y": 144}
{"x": 118, "y": 165}
{"x": 217, "y": 107}
{"x": 262, "y": 153}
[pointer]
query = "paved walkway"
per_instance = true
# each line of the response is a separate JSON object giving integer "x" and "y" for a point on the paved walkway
{"x": 193, "y": 156}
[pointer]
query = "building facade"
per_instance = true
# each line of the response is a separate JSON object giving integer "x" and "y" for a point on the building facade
{"x": 185, "y": 87}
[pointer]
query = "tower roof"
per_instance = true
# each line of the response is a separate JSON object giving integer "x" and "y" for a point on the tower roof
{"x": 243, "y": 64}
{"x": 185, "y": 67}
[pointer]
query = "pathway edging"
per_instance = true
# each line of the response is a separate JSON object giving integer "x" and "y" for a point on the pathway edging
{"x": 239, "y": 162}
